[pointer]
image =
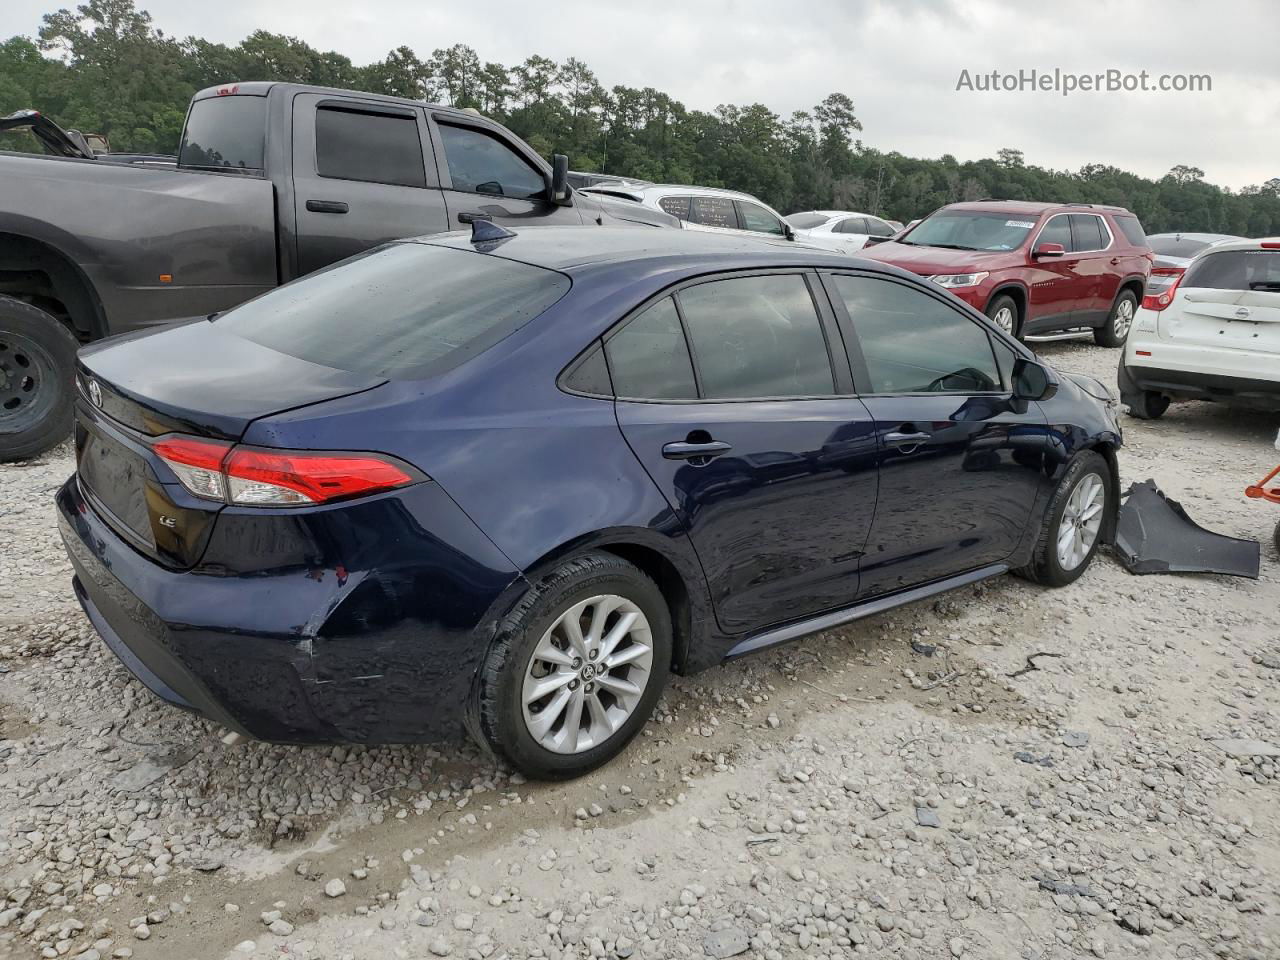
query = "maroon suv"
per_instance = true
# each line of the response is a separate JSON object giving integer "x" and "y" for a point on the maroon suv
{"x": 1032, "y": 267}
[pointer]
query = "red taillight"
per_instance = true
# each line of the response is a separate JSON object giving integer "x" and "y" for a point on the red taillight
{"x": 1270, "y": 244}
{"x": 275, "y": 478}
{"x": 279, "y": 478}
{"x": 1157, "y": 300}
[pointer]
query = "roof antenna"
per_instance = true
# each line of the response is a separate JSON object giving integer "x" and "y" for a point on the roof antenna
{"x": 484, "y": 230}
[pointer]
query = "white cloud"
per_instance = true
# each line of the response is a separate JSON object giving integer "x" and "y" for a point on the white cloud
{"x": 898, "y": 61}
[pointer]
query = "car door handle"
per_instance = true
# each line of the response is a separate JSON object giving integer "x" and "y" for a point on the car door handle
{"x": 326, "y": 206}
{"x": 901, "y": 438}
{"x": 682, "y": 450}
{"x": 466, "y": 217}
{"x": 1115, "y": 261}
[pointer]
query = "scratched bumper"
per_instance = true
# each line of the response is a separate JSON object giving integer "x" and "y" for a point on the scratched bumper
{"x": 352, "y": 625}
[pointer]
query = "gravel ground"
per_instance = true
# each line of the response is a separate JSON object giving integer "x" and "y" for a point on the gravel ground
{"x": 904, "y": 787}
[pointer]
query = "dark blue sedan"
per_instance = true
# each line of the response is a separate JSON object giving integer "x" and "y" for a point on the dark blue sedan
{"x": 511, "y": 480}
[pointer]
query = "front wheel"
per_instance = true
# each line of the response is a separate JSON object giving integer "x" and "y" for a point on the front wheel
{"x": 37, "y": 361}
{"x": 1073, "y": 523}
{"x": 577, "y": 668}
{"x": 1003, "y": 312}
{"x": 1116, "y": 329}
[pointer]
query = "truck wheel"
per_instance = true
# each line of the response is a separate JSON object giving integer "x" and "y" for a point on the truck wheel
{"x": 37, "y": 362}
{"x": 1116, "y": 329}
{"x": 1003, "y": 312}
{"x": 1147, "y": 405}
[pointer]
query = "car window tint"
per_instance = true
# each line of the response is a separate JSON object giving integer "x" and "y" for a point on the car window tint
{"x": 878, "y": 228}
{"x": 1005, "y": 358}
{"x": 714, "y": 212}
{"x": 851, "y": 225}
{"x": 1132, "y": 230}
{"x": 913, "y": 343}
{"x": 757, "y": 218}
{"x": 373, "y": 147}
{"x": 480, "y": 163}
{"x": 225, "y": 133}
{"x": 757, "y": 337}
{"x": 591, "y": 374}
{"x": 807, "y": 221}
{"x": 649, "y": 358}
{"x": 676, "y": 206}
{"x": 1057, "y": 230}
{"x": 1087, "y": 232}
{"x": 1257, "y": 270}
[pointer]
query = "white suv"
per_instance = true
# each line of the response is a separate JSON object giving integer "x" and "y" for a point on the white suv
{"x": 703, "y": 208}
{"x": 1213, "y": 335}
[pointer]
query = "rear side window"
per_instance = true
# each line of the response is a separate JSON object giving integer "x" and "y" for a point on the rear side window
{"x": 757, "y": 337}
{"x": 373, "y": 147}
{"x": 1236, "y": 270}
{"x": 913, "y": 343}
{"x": 851, "y": 225}
{"x": 757, "y": 218}
{"x": 403, "y": 311}
{"x": 225, "y": 133}
{"x": 480, "y": 163}
{"x": 676, "y": 206}
{"x": 649, "y": 358}
{"x": 1088, "y": 233}
{"x": 714, "y": 212}
{"x": 1132, "y": 230}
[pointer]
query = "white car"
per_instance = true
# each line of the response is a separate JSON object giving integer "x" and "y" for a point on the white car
{"x": 841, "y": 230}
{"x": 1212, "y": 335}
{"x": 703, "y": 208}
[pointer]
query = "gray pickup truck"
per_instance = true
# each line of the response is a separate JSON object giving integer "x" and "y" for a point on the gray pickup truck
{"x": 271, "y": 181}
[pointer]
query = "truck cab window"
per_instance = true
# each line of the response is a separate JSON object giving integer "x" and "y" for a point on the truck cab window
{"x": 373, "y": 147}
{"x": 480, "y": 163}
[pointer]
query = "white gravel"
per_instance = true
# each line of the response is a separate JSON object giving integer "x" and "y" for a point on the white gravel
{"x": 842, "y": 796}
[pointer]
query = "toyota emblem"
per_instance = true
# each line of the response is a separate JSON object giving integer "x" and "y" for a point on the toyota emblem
{"x": 95, "y": 393}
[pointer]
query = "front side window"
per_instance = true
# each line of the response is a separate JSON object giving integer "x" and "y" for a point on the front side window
{"x": 404, "y": 311}
{"x": 480, "y": 163}
{"x": 1088, "y": 233}
{"x": 649, "y": 358}
{"x": 1057, "y": 230}
{"x": 714, "y": 212}
{"x": 372, "y": 147}
{"x": 757, "y": 218}
{"x": 972, "y": 230}
{"x": 757, "y": 337}
{"x": 878, "y": 228}
{"x": 807, "y": 221}
{"x": 913, "y": 343}
{"x": 851, "y": 225}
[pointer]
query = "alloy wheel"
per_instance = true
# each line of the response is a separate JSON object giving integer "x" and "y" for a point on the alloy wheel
{"x": 1124, "y": 318}
{"x": 1081, "y": 521}
{"x": 1003, "y": 319}
{"x": 587, "y": 674}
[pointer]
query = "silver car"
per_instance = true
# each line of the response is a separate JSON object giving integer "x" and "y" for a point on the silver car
{"x": 703, "y": 208}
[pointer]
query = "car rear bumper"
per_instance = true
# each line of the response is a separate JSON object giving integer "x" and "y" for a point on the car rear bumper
{"x": 1195, "y": 384}
{"x": 384, "y": 651}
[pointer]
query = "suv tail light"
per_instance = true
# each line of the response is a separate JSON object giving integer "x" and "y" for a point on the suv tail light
{"x": 1161, "y": 288}
{"x": 252, "y": 476}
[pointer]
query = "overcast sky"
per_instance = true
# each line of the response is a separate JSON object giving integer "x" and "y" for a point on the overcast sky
{"x": 899, "y": 60}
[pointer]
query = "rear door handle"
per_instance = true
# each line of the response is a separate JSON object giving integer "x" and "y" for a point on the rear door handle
{"x": 465, "y": 217}
{"x": 327, "y": 206}
{"x": 902, "y": 439}
{"x": 682, "y": 450}
{"x": 1115, "y": 261}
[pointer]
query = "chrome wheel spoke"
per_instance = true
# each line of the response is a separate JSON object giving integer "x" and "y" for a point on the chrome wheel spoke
{"x": 601, "y": 723}
{"x": 543, "y": 721}
{"x": 619, "y": 630}
{"x": 619, "y": 687}
{"x": 548, "y": 684}
{"x": 626, "y": 655}
{"x": 571, "y": 731}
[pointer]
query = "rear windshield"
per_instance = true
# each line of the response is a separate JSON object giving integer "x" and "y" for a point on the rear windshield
{"x": 1132, "y": 231}
{"x": 404, "y": 311}
{"x": 807, "y": 221}
{"x": 1236, "y": 270}
{"x": 1176, "y": 246}
{"x": 972, "y": 230}
{"x": 225, "y": 133}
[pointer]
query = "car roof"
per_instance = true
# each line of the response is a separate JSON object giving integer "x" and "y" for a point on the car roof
{"x": 579, "y": 250}
{"x": 1257, "y": 243}
{"x": 1031, "y": 207}
{"x": 1202, "y": 237}
{"x": 836, "y": 213}
{"x": 659, "y": 190}
{"x": 260, "y": 88}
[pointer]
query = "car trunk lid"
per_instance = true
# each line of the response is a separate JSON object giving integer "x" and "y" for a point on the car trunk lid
{"x": 190, "y": 379}
{"x": 1229, "y": 298}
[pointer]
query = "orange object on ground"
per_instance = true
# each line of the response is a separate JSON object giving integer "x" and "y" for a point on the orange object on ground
{"x": 1259, "y": 491}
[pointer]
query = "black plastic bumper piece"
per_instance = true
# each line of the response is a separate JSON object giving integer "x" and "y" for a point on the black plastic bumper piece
{"x": 1155, "y": 535}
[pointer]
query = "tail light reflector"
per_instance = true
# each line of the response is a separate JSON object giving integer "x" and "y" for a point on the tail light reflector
{"x": 250, "y": 476}
{"x": 1160, "y": 297}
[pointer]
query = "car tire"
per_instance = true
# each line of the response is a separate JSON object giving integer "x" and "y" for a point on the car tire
{"x": 1004, "y": 306}
{"x": 1147, "y": 405}
{"x": 1114, "y": 332}
{"x": 37, "y": 360}
{"x": 510, "y": 709}
{"x": 1086, "y": 483}
{"x": 1277, "y": 538}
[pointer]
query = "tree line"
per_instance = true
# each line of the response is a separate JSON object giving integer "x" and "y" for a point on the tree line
{"x": 106, "y": 68}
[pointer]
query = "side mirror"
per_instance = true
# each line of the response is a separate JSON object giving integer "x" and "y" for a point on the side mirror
{"x": 1033, "y": 381}
{"x": 1044, "y": 250}
{"x": 560, "y": 191}
{"x": 788, "y": 231}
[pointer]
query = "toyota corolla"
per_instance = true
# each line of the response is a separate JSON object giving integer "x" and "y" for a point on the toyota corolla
{"x": 510, "y": 482}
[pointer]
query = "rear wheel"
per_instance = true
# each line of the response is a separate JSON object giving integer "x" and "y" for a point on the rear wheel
{"x": 37, "y": 360}
{"x": 1003, "y": 312}
{"x": 1278, "y": 538}
{"x": 1147, "y": 405}
{"x": 577, "y": 669}
{"x": 1116, "y": 329}
{"x": 1073, "y": 523}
